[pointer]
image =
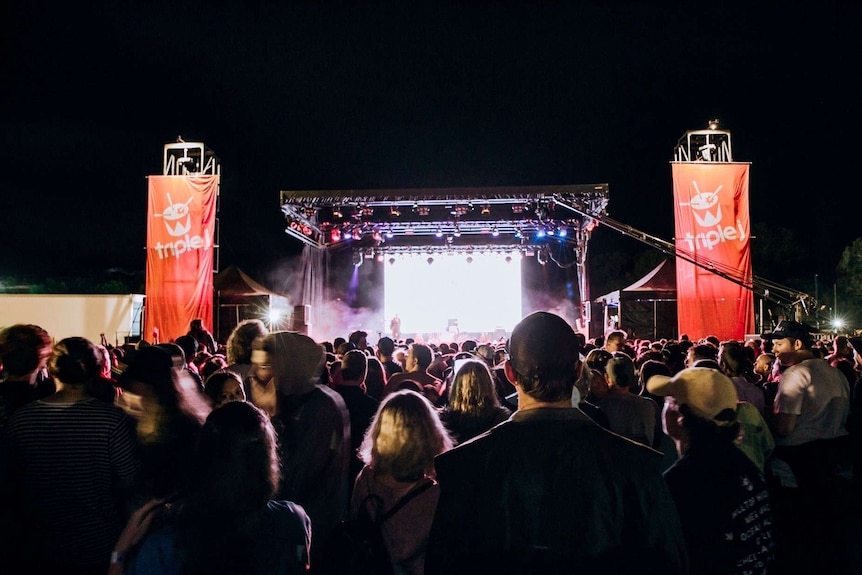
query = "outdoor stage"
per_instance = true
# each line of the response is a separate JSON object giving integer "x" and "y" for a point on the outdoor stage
{"x": 453, "y": 263}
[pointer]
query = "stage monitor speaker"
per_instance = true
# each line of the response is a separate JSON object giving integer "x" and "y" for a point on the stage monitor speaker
{"x": 301, "y": 314}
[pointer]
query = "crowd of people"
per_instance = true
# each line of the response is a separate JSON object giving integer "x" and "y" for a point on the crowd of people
{"x": 543, "y": 453}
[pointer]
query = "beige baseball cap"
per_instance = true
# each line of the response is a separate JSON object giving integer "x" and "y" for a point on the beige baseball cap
{"x": 706, "y": 391}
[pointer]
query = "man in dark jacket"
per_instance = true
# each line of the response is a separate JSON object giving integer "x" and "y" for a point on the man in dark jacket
{"x": 550, "y": 491}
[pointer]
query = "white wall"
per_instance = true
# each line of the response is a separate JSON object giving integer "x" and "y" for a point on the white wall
{"x": 75, "y": 315}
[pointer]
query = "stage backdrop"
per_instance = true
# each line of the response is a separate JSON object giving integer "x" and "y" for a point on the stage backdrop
{"x": 712, "y": 226}
{"x": 180, "y": 231}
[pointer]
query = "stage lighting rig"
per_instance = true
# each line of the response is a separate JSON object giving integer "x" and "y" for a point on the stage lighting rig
{"x": 501, "y": 215}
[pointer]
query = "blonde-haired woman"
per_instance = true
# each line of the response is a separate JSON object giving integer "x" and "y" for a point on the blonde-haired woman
{"x": 398, "y": 451}
{"x": 474, "y": 407}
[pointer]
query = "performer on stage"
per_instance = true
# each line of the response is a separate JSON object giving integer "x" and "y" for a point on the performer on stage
{"x": 395, "y": 328}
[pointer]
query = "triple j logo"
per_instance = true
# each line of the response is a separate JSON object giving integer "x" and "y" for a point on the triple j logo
{"x": 706, "y": 210}
{"x": 178, "y": 222}
{"x": 175, "y": 213}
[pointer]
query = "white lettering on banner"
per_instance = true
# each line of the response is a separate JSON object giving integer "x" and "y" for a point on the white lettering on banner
{"x": 707, "y": 213}
{"x": 715, "y": 236}
{"x": 183, "y": 245}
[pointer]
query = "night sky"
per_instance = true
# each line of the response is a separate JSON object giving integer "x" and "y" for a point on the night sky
{"x": 401, "y": 95}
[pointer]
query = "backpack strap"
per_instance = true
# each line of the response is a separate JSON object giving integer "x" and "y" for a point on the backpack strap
{"x": 408, "y": 497}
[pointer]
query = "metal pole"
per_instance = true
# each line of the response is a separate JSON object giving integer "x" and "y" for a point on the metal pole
{"x": 761, "y": 315}
{"x": 835, "y": 297}
{"x": 816, "y": 304}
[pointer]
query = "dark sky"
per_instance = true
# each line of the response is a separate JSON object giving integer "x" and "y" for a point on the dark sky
{"x": 350, "y": 95}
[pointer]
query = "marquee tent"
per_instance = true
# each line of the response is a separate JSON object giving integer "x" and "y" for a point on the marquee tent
{"x": 646, "y": 308}
{"x": 240, "y": 297}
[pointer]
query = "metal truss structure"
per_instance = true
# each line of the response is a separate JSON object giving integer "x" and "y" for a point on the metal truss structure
{"x": 189, "y": 158}
{"x": 552, "y": 222}
{"x": 454, "y": 218}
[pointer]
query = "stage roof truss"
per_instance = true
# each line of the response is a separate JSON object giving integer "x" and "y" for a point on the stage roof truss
{"x": 447, "y": 216}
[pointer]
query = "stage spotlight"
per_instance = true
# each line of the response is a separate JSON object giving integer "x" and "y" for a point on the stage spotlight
{"x": 394, "y": 211}
{"x": 562, "y": 232}
{"x": 540, "y": 232}
{"x": 486, "y": 209}
{"x": 336, "y": 213}
{"x": 457, "y": 232}
{"x": 713, "y": 124}
{"x": 494, "y": 231}
{"x": 469, "y": 259}
{"x": 430, "y": 260}
{"x": 377, "y": 236}
{"x": 273, "y": 316}
{"x": 439, "y": 232}
{"x": 380, "y": 257}
{"x": 358, "y": 258}
{"x": 391, "y": 261}
{"x": 335, "y": 235}
{"x": 508, "y": 259}
{"x": 390, "y": 234}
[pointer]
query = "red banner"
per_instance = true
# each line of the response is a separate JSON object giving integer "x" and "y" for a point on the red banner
{"x": 713, "y": 228}
{"x": 180, "y": 231}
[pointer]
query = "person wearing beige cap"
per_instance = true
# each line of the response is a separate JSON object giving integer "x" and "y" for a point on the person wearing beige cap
{"x": 721, "y": 497}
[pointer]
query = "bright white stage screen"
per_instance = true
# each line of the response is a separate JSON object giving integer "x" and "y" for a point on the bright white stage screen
{"x": 482, "y": 296}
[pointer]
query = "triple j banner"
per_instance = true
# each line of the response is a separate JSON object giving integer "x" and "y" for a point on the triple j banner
{"x": 180, "y": 230}
{"x": 713, "y": 227}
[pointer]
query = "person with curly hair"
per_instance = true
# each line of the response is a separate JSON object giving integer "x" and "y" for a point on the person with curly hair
{"x": 238, "y": 352}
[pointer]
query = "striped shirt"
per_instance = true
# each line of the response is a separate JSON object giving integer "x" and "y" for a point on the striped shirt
{"x": 69, "y": 459}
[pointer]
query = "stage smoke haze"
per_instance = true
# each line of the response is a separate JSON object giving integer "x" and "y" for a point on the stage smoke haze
{"x": 337, "y": 292}
{"x": 449, "y": 300}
